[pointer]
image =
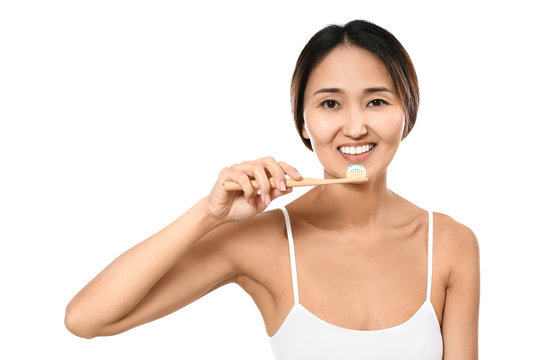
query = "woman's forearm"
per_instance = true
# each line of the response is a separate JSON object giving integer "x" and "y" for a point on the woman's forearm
{"x": 120, "y": 286}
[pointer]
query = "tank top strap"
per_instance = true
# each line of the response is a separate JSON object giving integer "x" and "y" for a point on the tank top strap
{"x": 291, "y": 253}
{"x": 430, "y": 254}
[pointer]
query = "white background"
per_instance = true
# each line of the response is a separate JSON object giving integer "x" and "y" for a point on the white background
{"x": 117, "y": 116}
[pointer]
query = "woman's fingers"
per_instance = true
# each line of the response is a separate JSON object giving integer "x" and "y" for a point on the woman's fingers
{"x": 264, "y": 183}
{"x": 262, "y": 170}
{"x": 277, "y": 172}
{"x": 234, "y": 206}
{"x": 274, "y": 193}
{"x": 291, "y": 171}
{"x": 241, "y": 177}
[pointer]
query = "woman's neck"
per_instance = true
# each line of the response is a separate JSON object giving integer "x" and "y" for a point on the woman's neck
{"x": 352, "y": 206}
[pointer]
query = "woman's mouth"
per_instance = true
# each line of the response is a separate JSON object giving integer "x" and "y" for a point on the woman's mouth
{"x": 362, "y": 152}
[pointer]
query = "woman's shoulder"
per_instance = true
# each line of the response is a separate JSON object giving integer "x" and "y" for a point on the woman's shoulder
{"x": 255, "y": 242}
{"x": 452, "y": 230}
{"x": 247, "y": 234}
{"x": 456, "y": 241}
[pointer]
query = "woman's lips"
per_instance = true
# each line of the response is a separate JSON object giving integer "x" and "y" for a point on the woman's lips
{"x": 357, "y": 157}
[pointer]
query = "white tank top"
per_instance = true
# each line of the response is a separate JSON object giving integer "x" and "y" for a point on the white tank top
{"x": 304, "y": 336}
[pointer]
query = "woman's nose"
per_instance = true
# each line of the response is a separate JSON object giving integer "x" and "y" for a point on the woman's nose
{"x": 354, "y": 123}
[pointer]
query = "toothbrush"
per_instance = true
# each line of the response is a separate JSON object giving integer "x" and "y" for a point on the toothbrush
{"x": 355, "y": 174}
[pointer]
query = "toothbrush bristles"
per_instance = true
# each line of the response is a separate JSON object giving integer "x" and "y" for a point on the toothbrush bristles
{"x": 356, "y": 172}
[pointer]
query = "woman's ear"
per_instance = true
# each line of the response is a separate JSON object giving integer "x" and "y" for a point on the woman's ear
{"x": 404, "y": 128}
{"x": 305, "y": 135}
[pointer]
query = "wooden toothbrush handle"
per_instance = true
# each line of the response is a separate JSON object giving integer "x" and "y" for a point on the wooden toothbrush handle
{"x": 233, "y": 186}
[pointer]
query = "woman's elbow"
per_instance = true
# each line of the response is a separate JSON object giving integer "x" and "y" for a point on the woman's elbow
{"x": 77, "y": 326}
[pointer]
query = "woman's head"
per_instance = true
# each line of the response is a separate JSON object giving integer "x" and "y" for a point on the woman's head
{"x": 369, "y": 37}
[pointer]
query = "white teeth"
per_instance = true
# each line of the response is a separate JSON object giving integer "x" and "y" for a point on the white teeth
{"x": 356, "y": 150}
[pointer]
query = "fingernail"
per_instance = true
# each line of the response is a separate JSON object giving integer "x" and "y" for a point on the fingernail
{"x": 298, "y": 174}
{"x": 282, "y": 185}
{"x": 267, "y": 199}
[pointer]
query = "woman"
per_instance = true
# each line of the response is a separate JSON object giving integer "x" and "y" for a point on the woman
{"x": 367, "y": 273}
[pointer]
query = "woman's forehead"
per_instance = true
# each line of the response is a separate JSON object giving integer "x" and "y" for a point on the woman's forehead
{"x": 350, "y": 68}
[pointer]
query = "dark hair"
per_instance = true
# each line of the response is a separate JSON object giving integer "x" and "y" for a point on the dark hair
{"x": 372, "y": 38}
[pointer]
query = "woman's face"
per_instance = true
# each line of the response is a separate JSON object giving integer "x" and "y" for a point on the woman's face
{"x": 351, "y": 113}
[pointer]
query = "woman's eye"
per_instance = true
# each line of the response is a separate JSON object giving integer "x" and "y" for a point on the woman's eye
{"x": 330, "y": 104}
{"x": 377, "y": 102}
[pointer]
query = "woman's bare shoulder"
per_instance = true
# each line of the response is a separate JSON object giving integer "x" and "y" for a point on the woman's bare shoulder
{"x": 453, "y": 231}
{"x": 455, "y": 240}
{"x": 254, "y": 244}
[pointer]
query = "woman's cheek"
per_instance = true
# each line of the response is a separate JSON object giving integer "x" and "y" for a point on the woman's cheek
{"x": 393, "y": 128}
{"x": 320, "y": 127}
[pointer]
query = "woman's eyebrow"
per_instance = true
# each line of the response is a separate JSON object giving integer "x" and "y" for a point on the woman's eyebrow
{"x": 366, "y": 91}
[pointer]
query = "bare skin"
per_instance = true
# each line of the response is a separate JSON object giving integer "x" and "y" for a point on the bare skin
{"x": 361, "y": 249}
{"x": 387, "y": 265}
{"x": 363, "y": 235}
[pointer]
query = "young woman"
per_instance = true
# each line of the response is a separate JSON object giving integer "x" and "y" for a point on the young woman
{"x": 346, "y": 271}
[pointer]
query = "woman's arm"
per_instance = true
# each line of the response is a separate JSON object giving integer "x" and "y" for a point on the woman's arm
{"x": 197, "y": 253}
{"x": 134, "y": 276}
{"x": 461, "y": 309}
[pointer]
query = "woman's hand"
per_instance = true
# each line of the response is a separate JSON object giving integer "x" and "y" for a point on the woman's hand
{"x": 238, "y": 205}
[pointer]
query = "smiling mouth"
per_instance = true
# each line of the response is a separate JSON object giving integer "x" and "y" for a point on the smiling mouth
{"x": 356, "y": 150}
{"x": 358, "y": 158}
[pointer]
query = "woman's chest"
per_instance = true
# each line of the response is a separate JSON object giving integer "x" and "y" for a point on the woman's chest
{"x": 350, "y": 282}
